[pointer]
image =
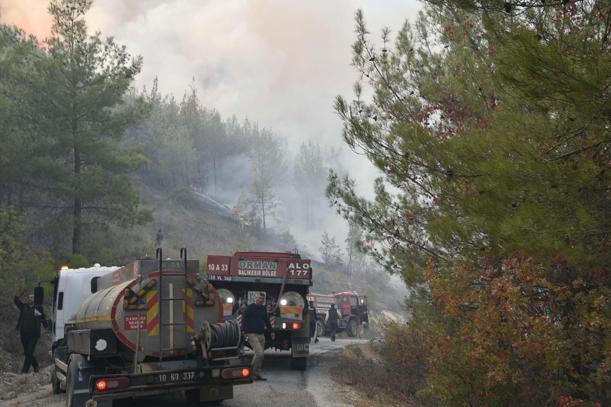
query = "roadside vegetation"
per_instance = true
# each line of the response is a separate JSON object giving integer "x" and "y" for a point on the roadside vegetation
{"x": 489, "y": 121}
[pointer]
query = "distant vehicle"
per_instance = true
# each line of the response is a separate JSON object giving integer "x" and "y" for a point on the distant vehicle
{"x": 151, "y": 327}
{"x": 351, "y": 307}
{"x": 284, "y": 279}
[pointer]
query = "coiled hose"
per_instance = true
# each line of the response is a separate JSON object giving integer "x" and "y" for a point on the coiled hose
{"x": 221, "y": 334}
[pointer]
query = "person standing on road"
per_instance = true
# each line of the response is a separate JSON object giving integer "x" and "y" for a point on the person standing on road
{"x": 255, "y": 322}
{"x": 28, "y": 325}
{"x": 331, "y": 321}
{"x": 312, "y": 314}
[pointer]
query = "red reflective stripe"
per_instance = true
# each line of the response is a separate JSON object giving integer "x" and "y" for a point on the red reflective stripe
{"x": 153, "y": 300}
{"x": 152, "y": 323}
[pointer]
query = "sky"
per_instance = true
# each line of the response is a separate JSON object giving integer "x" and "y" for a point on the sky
{"x": 281, "y": 63}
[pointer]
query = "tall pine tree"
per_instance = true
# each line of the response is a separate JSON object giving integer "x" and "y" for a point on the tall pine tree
{"x": 78, "y": 96}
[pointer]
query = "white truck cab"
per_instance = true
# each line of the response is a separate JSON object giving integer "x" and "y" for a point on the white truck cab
{"x": 73, "y": 286}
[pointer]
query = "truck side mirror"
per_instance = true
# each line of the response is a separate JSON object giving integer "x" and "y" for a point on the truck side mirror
{"x": 39, "y": 295}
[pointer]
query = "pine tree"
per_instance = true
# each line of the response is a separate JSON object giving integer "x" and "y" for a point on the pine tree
{"x": 78, "y": 98}
{"x": 489, "y": 123}
{"x": 309, "y": 177}
{"x": 269, "y": 164}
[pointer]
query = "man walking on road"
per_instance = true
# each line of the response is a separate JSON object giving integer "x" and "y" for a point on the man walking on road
{"x": 28, "y": 325}
{"x": 331, "y": 320}
{"x": 255, "y": 322}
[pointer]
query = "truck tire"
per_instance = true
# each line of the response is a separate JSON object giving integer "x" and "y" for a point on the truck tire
{"x": 55, "y": 384}
{"x": 73, "y": 396}
{"x": 352, "y": 328}
{"x": 299, "y": 363}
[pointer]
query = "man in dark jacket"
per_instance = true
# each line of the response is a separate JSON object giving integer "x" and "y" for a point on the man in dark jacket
{"x": 255, "y": 323}
{"x": 312, "y": 314}
{"x": 30, "y": 318}
{"x": 332, "y": 318}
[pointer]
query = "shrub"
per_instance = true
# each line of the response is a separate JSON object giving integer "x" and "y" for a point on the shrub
{"x": 519, "y": 334}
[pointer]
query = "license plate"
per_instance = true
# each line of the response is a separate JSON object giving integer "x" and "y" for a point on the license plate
{"x": 179, "y": 377}
{"x": 301, "y": 347}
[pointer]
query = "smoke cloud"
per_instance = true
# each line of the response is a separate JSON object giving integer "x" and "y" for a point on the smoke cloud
{"x": 280, "y": 63}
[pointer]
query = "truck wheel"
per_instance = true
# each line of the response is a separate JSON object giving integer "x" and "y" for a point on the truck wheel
{"x": 352, "y": 328}
{"x": 55, "y": 385}
{"x": 299, "y": 363}
{"x": 73, "y": 397}
{"x": 320, "y": 328}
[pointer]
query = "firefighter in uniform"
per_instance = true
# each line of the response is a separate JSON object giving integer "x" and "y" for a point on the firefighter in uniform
{"x": 30, "y": 318}
{"x": 255, "y": 322}
{"x": 331, "y": 321}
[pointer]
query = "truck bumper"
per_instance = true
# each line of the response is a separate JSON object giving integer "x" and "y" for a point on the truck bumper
{"x": 214, "y": 382}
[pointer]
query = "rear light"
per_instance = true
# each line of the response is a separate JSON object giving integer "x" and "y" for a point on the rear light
{"x": 235, "y": 373}
{"x": 101, "y": 385}
{"x": 113, "y": 383}
{"x": 294, "y": 326}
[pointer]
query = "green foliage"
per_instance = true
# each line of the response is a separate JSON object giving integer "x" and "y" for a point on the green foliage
{"x": 269, "y": 164}
{"x": 330, "y": 251}
{"x": 19, "y": 268}
{"x": 490, "y": 127}
{"x": 78, "y": 95}
{"x": 65, "y": 117}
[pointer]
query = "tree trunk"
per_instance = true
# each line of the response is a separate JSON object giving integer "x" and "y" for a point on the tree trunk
{"x": 263, "y": 213}
{"x": 76, "y": 214}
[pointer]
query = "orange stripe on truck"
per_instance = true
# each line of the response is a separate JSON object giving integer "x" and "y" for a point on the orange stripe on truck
{"x": 152, "y": 313}
{"x": 188, "y": 310}
{"x": 291, "y": 312}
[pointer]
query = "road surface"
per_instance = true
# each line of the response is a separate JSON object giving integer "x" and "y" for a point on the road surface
{"x": 312, "y": 388}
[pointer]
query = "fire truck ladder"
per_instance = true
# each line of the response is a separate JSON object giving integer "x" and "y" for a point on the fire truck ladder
{"x": 171, "y": 301}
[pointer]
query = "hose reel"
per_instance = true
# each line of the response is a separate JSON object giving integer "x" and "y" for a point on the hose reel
{"x": 220, "y": 336}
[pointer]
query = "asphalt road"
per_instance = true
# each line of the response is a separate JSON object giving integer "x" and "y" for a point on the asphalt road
{"x": 311, "y": 388}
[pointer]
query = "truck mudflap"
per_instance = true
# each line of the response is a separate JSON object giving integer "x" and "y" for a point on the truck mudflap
{"x": 212, "y": 379}
{"x": 300, "y": 347}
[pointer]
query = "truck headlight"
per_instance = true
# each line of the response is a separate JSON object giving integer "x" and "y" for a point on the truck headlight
{"x": 292, "y": 299}
{"x": 101, "y": 345}
{"x": 226, "y": 296}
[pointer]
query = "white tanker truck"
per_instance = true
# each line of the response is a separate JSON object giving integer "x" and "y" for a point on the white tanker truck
{"x": 151, "y": 327}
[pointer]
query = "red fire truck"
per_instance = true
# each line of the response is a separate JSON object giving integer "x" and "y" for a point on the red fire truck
{"x": 351, "y": 307}
{"x": 284, "y": 279}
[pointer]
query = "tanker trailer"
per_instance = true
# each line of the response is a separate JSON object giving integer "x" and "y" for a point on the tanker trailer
{"x": 151, "y": 327}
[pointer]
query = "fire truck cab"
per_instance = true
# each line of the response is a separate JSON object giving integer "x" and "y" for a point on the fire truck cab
{"x": 284, "y": 279}
{"x": 351, "y": 307}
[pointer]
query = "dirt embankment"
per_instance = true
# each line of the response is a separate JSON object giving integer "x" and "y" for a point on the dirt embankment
{"x": 12, "y": 382}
